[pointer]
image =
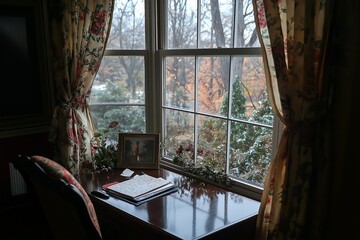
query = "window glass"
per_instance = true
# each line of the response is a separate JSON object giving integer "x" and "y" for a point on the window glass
{"x": 221, "y": 93}
{"x": 128, "y": 25}
{"x": 212, "y": 84}
{"x": 179, "y": 82}
{"x": 213, "y": 24}
{"x": 182, "y": 24}
{"x": 179, "y": 130}
{"x": 118, "y": 92}
{"x": 211, "y": 142}
{"x": 120, "y": 79}
{"x": 216, "y": 24}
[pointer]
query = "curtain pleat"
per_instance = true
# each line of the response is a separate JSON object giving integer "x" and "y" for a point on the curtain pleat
{"x": 79, "y": 31}
{"x": 293, "y": 36}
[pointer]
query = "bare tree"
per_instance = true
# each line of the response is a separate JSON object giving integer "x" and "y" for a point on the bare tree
{"x": 181, "y": 34}
{"x": 128, "y": 33}
{"x": 243, "y": 14}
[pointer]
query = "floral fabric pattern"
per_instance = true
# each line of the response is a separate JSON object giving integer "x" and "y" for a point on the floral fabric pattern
{"x": 57, "y": 171}
{"x": 293, "y": 36}
{"x": 79, "y": 32}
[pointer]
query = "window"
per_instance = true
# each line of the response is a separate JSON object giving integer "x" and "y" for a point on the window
{"x": 197, "y": 78}
{"x": 118, "y": 91}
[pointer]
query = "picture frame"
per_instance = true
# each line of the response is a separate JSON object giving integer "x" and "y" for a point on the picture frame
{"x": 138, "y": 150}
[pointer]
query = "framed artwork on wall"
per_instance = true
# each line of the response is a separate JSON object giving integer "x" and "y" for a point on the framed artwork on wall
{"x": 138, "y": 150}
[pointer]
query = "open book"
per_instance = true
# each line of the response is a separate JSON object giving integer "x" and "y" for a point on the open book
{"x": 140, "y": 187}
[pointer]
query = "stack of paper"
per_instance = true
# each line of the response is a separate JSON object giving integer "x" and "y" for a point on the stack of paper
{"x": 140, "y": 187}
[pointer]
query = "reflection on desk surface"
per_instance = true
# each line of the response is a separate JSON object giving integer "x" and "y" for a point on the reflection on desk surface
{"x": 197, "y": 208}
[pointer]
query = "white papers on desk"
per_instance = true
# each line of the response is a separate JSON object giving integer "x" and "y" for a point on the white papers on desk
{"x": 140, "y": 187}
{"x": 127, "y": 173}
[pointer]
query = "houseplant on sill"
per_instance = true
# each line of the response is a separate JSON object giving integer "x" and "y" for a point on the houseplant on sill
{"x": 104, "y": 149}
{"x": 206, "y": 170}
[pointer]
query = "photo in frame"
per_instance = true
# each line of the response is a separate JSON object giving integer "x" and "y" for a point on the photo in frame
{"x": 138, "y": 150}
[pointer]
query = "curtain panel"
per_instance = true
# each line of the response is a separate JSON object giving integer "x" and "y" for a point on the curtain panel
{"x": 79, "y": 30}
{"x": 294, "y": 35}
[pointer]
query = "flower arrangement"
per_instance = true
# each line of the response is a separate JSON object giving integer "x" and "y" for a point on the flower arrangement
{"x": 206, "y": 169}
{"x": 104, "y": 148}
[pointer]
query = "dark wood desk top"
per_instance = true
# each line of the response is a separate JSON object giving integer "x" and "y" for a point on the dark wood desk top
{"x": 197, "y": 210}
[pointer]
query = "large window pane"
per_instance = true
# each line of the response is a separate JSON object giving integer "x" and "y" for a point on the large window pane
{"x": 120, "y": 80}
{"x": 245, "y": 29}
{"x": 212, "y": 143}
{"x": 179, "y": 85}
{"x": 222, "y": 24}
{"x": 179, "y": 131}
{"x": 128, "y": 25}
{"x": 213, "y": 82}
{"x": 227, "y": 24}
{"x": 249, "y": 91}
{"x": 216, "y": 23}
{"x": 250, "y": 152}
{"x": 181, "y": 24}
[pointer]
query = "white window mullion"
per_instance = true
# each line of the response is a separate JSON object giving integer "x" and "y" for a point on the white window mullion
{"x": 198, "y": 4}
{"x": 229, "y": 115}
{"x": 196, "y": 108}
{"x": 234, "y": 28}
{"x": 163, "y": 24}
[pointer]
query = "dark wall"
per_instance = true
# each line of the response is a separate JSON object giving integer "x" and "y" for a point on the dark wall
{"x": 345, "y": 153}
{"x": 26, "y": 99}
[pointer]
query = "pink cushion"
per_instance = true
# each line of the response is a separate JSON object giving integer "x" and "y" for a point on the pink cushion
{"x": 57, "y": 171}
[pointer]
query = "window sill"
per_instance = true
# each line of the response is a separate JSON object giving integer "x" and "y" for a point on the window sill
{"x": 238, "y": 187}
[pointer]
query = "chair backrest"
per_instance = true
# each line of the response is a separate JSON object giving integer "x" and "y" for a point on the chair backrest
{"x": 68, "y": 209}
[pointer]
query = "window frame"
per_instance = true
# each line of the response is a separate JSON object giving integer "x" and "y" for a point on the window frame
{"x": 151, "y": 88}
{"x": 240, "y": 187}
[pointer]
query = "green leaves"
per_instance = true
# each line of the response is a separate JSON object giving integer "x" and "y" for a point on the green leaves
{"x": 183, "y": 158}
{"x": 104, "y": 149}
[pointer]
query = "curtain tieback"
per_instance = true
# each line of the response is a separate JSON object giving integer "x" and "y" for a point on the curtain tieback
{"x": 77, "y": 103}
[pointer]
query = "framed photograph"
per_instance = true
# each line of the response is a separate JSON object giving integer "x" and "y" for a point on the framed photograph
{"x": 138, "y": 150}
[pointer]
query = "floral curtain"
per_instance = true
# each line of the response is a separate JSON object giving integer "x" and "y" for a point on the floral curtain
{"x": 294, "y": 36}
{"x": 79, "y": 30}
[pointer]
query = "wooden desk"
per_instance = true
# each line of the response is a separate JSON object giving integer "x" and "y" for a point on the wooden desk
{"x": 197, "y": 210}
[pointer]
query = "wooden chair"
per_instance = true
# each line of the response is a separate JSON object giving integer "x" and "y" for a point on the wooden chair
{"x": 66, "y": 206}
